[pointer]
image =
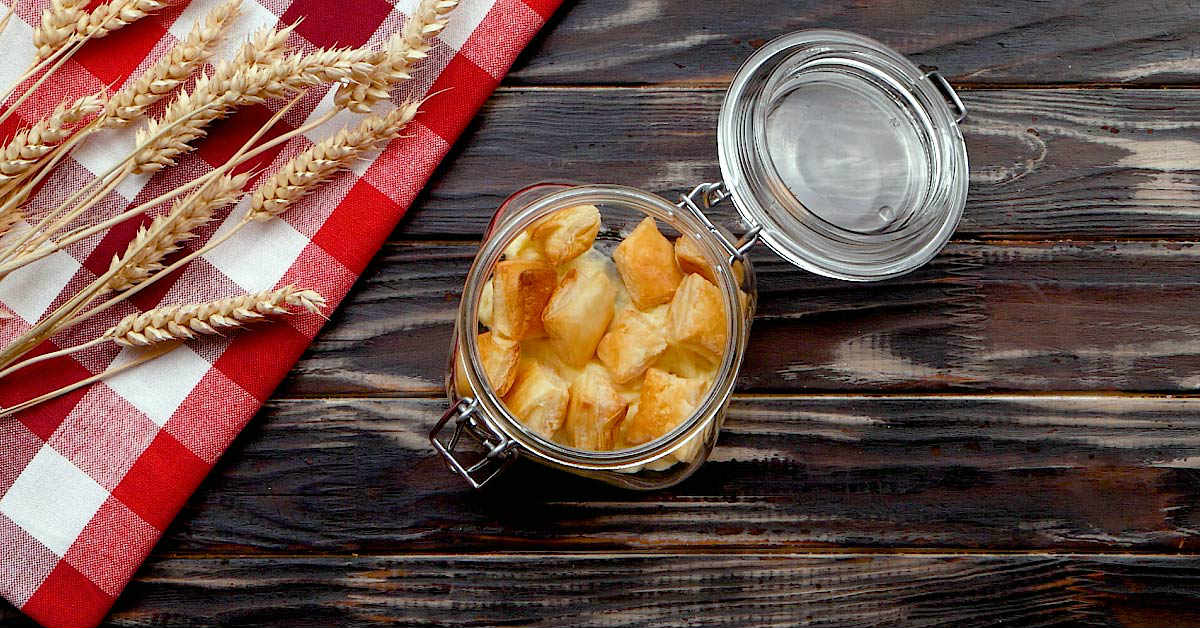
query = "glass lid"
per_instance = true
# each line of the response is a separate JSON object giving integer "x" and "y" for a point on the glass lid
{"x": 845, "y": 153}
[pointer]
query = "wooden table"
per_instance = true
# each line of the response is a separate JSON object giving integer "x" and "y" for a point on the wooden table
{"x": 1009, "y": 436}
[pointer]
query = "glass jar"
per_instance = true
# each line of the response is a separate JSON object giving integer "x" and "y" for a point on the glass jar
{"x": 837, "y": 152}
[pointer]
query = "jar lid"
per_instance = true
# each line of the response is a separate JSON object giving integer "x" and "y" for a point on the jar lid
{"x": 845, "y": 153}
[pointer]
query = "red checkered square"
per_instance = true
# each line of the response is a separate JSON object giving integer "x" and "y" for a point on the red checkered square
{"x": 350, "y": 234}
{"x": 352, "y": 27}
{"x": 136, "y": 40}
{"x": 62, "y": 459}
{"x": 67, "y": 599}
{"x": 39, "y": 379}
{"x": 161, "y": 480}
{"x": 248, "y": 359}
{"x": 463, "y": 77}
{"x": 112, "y": 546}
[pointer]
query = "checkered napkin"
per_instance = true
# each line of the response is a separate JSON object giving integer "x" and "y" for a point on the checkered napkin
{"x": 89, "y": 481}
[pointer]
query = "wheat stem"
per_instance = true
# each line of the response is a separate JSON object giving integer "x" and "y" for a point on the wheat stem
{"x": 153, "y": 353}
{"x": 50, "y": 356}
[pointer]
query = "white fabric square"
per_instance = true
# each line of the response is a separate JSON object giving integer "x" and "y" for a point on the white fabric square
{"x": 156, "y": 396}
{"x": 19, "y": 54}
{"x": 257, "y": 257}
{"x": 253, "y": 16}
{"x": 53, "y": 500}
{"x": 29, "y": 290}
{"x": 106, "y": 149}
{"x": 467, "y": 16}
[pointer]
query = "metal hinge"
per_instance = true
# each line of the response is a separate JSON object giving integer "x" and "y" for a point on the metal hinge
{"x": 499, "y": 451}
{"x": 709, "y": 195}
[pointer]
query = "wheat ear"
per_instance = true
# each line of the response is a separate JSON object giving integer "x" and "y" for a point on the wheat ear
{"x": 58, "y": 26}
{"x": 111, "y": 16}
{"x": 27, "y": 147}
{"x": 304, "y": 172}
{"x": 393, "y": 63}
{"x": 183, "y": 322}
{"x": 232, "y": 86}
{"x": 143, "y": 256}
{"x": 173, "y": 68}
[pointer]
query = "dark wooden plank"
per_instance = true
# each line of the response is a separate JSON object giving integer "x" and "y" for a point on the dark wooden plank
{"x": 664, "y": 590}
{"x": 980, "y": 41}
{"x": 982, "y": 316}
{"x": 1043, "y": 472}
{"x": 1085, "y": 163}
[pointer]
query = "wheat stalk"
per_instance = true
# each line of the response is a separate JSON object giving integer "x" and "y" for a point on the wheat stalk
{"x": 9, "y": 219}
{"x": 173, "y": 68}
{"x": 392, "y": 64}
{"x": 111, "y": 16}
{"x": 27, "y": 147}
{"x": 307, "y": 170}
{"x": 58, "y": 26}
{"x": 144, "y": 254}
{"x": 183, "y": 322}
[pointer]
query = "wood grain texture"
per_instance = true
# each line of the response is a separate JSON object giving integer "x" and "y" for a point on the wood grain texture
{"x": 1032, "y": 316}
{"x": 850, "y": 590}
{"x": 1043, "y": 163}
{"x": 1043, "y": 472}
{"x": 977, "y": 41}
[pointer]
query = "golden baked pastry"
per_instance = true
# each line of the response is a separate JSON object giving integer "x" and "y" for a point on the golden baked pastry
{"x": 696, "y": 317}
{"x": 485, "y": 305}
{"x": 567, "y": 233}
{"x": 499, "y": 357}
{"x": 691, "y": 259}
{"x": 646, "y": 261}
{"x": 578, "y": 313}
{"x": 539, "y": 398}
{"x": 666, "y": 400}
{"x": 632, "y": 344}
{"x": 520, "y": 290}
{"x": 594, "y": 411}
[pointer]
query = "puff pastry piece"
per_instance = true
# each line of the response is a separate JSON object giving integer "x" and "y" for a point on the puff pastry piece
{"x": 696, "y": 318}
{"x": 634, "y": 342}
{"x": 520, "y": 290}
{"x": 646, "y": 261}
{"x": 666, "y": 400}
{"x": 539, "y": 398}
{"x": 594, "y": 411}
{"x": 578, "y": 313}
{"x": 500, "y": 358}
{"x": 567, "y": 233}
{"x": 485, "y": 305}
{"x": 690, "y": 257}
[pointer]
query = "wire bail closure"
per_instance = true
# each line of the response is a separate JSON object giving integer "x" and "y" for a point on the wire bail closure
{"x": 709, "y": 195}
{"x": 948, "y": 92}
{"x": 500, "y": 452}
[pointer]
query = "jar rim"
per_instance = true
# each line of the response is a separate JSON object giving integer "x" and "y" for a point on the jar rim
{"x": 794, "y": 231}
{"x": 494, "y": 410}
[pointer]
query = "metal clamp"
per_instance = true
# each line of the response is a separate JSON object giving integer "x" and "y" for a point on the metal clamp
{"x": 948, "y": 92}
{"x": 499, "y": 451}
{"x": 710, "y": 194}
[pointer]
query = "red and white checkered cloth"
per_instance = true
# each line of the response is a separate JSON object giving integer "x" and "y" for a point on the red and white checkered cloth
{"x": 89, "y": 481}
